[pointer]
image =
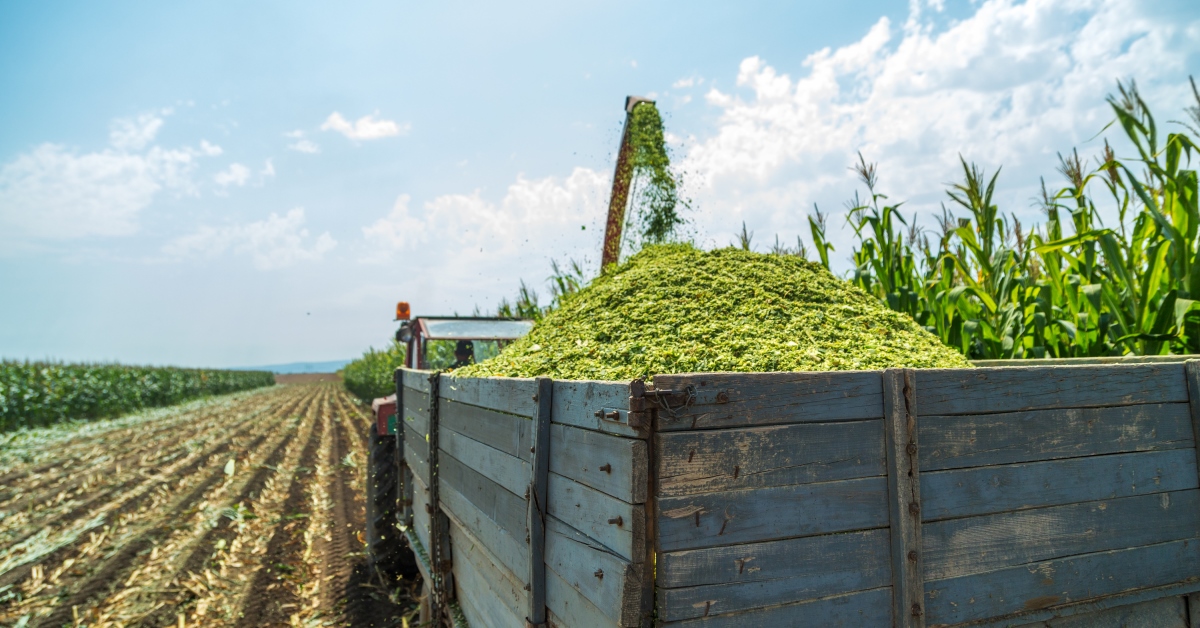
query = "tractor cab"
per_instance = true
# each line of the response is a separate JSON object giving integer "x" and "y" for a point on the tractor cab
{"x": 443, "y": 342}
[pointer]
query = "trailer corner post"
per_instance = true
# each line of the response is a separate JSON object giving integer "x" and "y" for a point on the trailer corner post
{"x": 1191, "y": 371}
{"x": 536, "y": 507}
{"x": 404, "y": 490}
{"x": 443, "y": 577}
{"x": 904, "y": 497}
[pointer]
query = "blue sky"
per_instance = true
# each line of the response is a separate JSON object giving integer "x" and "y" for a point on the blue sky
{"x": 223, "y": 184}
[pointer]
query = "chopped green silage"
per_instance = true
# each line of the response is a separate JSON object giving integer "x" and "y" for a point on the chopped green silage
{"x": 673, "y": 308}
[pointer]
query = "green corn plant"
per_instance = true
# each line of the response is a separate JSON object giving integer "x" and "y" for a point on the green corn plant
{"x": 1071, "y": 287}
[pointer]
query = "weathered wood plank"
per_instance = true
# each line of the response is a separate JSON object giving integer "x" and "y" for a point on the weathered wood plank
{"x": 416, "y": 379}
{"x": 501, "y": 506}
{"x": 772, "y": 513}
{"x": 1193, "y": 604}
{"x": 759, "y": 457}
{"x": 1040, "y": 585}
{"x": 416, "y": 410}
{"x": 417, "y": 455}
{"x": 734, "y": 578}
{"x": 576, "y": 403}
{"x": 960, "y": 547}
{"x": 773, "y": 398}
{"x": 507, "y": 432}
{"x": 477, "y": 573}
{"x": 505, "y": 394}
{"x": 568, "y": 608}
{"x": 507, "y": 471}
{"x": 421, "y": 516}
{"x": 904, "y": 496}
{"x": 972, "y": 391}
{"x": 418, "y": 441}
{"x": 510, "y": 553}
{"x": 1168, "y": 612}
{"x": 610, "y": 464}
{"x": 772, "y": 560}
{"x": 608, "y": 581}
{"x": 1077, "y": 614}
{"x": 1192, "y": 373}
{"x": 536, "y": 511}
{"x": 618, "y": 526}
{"x": 985, "y": 490}
{"x": 950, "y": 442}
{"x": 854, "y": 610}
{"x": 1120, "y": 359}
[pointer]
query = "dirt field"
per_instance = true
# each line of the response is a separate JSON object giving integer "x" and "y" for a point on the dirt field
{"x": 307, "y": 378}
{"x": 245, "y": 510}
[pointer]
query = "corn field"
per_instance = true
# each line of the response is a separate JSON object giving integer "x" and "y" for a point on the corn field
{"x": 370, "y": 376}
{"x": 34, "y": 394}
{"x": 1073, "y": 286}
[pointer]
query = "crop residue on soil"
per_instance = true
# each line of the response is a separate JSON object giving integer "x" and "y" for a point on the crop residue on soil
{"x": 243, "y": 510}
{"x": 673, "y": 308}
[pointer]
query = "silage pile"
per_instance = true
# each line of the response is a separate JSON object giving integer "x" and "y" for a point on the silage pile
{"x": 676, "y": 309}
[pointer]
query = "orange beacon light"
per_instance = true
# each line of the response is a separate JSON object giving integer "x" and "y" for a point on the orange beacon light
{"x": 402, "y": 312}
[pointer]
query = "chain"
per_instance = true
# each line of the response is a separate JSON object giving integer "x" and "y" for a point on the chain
{"x": 674, "y": 413}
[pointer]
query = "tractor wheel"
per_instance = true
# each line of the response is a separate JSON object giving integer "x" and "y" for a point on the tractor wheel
{"x": 386, "y": 548}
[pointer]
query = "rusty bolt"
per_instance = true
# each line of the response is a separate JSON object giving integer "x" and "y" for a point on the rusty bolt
{"x": 599, "y": 414}
{"x": 607, "y": 468}
{"x": 914, "y": 508}
{"x": 599, "y": 574}
{"x": 916, "y": 610}
{"x": 429, "y": 509}
{"x": 617, "y": 520}
{"x": 723, "y": 397}
{"x": 613, "y": 416}
{"x": 912, "y": 449}
{"x": 535, "y": 397}
{"x": 912, "y": 555}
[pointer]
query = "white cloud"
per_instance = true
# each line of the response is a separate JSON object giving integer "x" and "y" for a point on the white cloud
{"x": 1011, "y": 85}
{"x": 305, "y": 146}
{"x": 268, "y": 170}
{"x": 277, "y": 242}
{"x": 472, "y": 249}
{"x": 236, "y": 174}
{"x": 55, "y": 192}
{"x": 135, "y": 133}
{"x": 685, "y": 83}
{"x": 302, "y": 145}
{"x": 365, "y": 128}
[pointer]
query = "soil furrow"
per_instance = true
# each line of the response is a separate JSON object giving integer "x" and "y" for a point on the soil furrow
{"x": 123, "y": 484}
{"x": 115, "y": 567}
{"x": 132, "y": 501}
{"x": 280, "y": 564}
{"x": 40, "y": 491}
{"x": 146, "y": 523}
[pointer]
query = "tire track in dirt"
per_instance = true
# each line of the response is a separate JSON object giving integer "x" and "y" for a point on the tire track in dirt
{"x": 97, "y": 586}
{"x": 283, "y": 557}
{"x": 366, "y": 599}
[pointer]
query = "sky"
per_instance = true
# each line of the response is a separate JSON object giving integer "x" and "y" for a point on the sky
{"x": 230, "y": 184}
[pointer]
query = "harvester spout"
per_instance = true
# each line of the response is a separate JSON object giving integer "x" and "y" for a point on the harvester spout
{"x": 617, "y": 202}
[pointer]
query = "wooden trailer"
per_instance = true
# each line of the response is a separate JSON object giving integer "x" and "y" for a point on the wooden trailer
{"x": 1060, "y": 495}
